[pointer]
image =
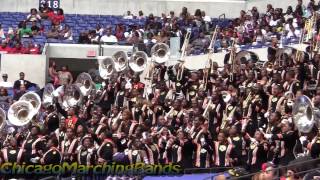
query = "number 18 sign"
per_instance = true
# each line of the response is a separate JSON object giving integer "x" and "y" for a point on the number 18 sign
{"x": 54, "y": 4}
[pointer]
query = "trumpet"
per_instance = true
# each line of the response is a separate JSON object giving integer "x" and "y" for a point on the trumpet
{"x": 183, "y": 54}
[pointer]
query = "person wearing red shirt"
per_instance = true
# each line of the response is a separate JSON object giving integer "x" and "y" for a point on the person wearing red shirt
{"x": 72, "y": 119}
{"x": 18, "y": 49}
{"x": 34, "y": 49}
{"x": 57, "y": 18}
{"x": 4, "y": 48}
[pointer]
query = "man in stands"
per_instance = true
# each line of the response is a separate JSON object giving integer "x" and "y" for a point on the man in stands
{"x": 25, "y": 31}
{"x": 5, "y": 82}
{"x": 108, "y": 37}
{"x": 17, "y": 84}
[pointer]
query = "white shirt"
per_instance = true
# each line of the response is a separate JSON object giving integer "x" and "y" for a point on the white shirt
{"x": 6, "y": 84}
{"x": 207, "y": 18}
{"x": 110, "y": 38}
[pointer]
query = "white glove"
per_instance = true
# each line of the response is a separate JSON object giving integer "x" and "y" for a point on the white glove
{"x": 35, "y": 160}
{"x": 268, "y": 136}
{"x": 266, "y": 115}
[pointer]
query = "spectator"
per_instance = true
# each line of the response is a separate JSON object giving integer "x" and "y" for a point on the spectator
{"x": 120, "y": 30}
{"x": 65, "y": 76}
{"x": 54, "y": 33}
{"x": 205, "y": 17}
{"x": 57, "y": 18}
{"x": 66, "y": 33}
{"x": 53, "y": 74}
{"x": 99, "y": 30}
{"x": 108, "y": 37}
{"x": 19, "y": 49}
{"x": 34, "y": 28}
{"x": 4, "y": 47}
{"x": 5, "y": 99}
{"x": 2, "y": 35}
{"x": 24, "y": 31}
{"x": 17, "y": 84}
{"x": 33, "y": 16}
{"x": 84, "y": 38}
{"x": 129, "y": 15}
{"x": 5, "y": 82}
{"x": 35, "y": 49}
{"x": 162, "y": 37}
{"x": 20, "y": 92}
{"x": 141, "y": 15}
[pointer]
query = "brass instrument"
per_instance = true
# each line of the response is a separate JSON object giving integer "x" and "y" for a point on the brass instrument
{"x": 303, "y": 114}
{"x": 226, "y": 118}
{"x": 120, "y": 60}
{"x": 160, "y": 53}
{"x": 226, "y": 96}
{"x": 34, "y": 99}
{"x": 208, "y": 107}
{"x": 48, "y": 95}
{"x": 106, "y": 67}
{"x": 85, "y": 83}
{"x": 183, "y": 55}
{"x": 138, "y": 61}
{"x": 210, "y": 62}
{"x": 72, "y": 96}
{"x": 19, "y": 113}
{"x": 231, "y": 60}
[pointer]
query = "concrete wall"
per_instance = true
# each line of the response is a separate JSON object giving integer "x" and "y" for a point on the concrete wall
{"x": 80, "y": 51}
{"x": 213, "y": 8}
{"x": 34, "y": 66}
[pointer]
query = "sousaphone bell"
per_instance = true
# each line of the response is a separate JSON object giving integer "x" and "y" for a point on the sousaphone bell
{"x": 303, "y": 114}
{"x": 106, "y": 67}
{"x": 20, "y": 113}
{"x": 34, "y": 99}
{"x": 72, "y": 96}
{"x": 138, "y": 61}
{"x": 48, "y": 95}
{"x": 120, "y": 59}
{"x": 85, "y": 83}
{"x": 160, "y": 53}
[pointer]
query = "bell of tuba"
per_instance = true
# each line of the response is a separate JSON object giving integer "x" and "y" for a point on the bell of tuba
{"x": 72, "y": 96}
{"x": 303, "y": 114}
{"x": 48, "y": 95}
{"x": 34, "y": 99}
{"x": 106, "y": 67}
{"x": 20, "y": 113}
{"x": 138, "y": 61}
{"x": 120, "y": 60}
{"x": 160, "y": 53}
{"x": 85, "y": 83}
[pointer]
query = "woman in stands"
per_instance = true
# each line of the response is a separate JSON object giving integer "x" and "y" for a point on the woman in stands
{"x": 5, "y": 99}
{"x": 33, "y": 16}
{"x": 53, "y": 74}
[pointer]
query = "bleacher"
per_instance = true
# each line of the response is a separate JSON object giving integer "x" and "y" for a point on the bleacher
{"x": 80, "y": 23}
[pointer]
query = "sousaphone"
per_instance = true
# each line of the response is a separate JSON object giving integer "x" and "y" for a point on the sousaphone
{"x": 245, "y": 56}
{"x": 20, "y": 113}
{"x": 138, "y": 61}
{"x": 160, "y": 53}
{"x": 120, "y": 60}
{"x": 48, "y": 95}
{"x": 85, "y": 83}
{"x": 72, "y": 96}
{"x": 106, "y": 67}
{"x": 34, "y": 99}
{"x": 303, "y": 114}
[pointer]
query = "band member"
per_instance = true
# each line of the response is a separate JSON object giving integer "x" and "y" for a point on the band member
{"x": 86, "y": 153}
{"x": 275, "y": 99}
{"x": 53, "y": 155}
{"x": 222, "y": 156}
{"x": 238, "y": 145}
{"x": 151, "y": 149}
{"x": 33, "y": 145}
{"x": 203, "y": 152}
{"x": 12, "y": 153}
{"x": 136, "y": 154}
{"x": 69, "y": 146}
{"x": 106, "y": 149}
{"x": 286, "y": 141}
{"x": 257, "y": 153}
{"x": 291, "y": 84}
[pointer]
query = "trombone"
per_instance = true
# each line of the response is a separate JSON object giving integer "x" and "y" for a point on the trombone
{"x": 232, "y": 60}
{"x": 183, "y": 54}
{"x": 210, "y": 62}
